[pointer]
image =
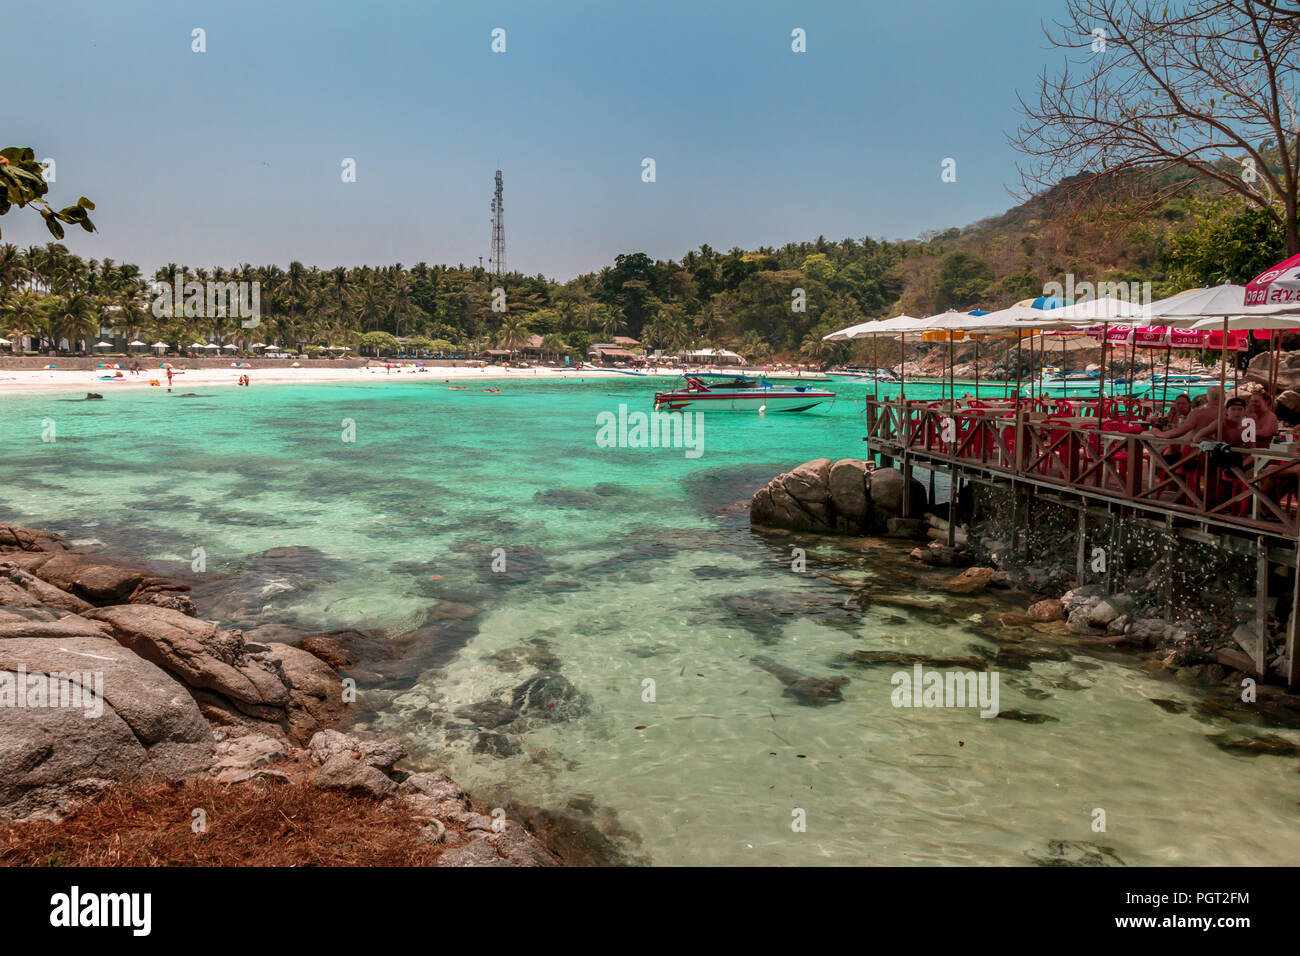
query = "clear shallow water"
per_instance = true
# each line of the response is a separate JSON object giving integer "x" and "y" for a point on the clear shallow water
{"x": 627, "y": 564}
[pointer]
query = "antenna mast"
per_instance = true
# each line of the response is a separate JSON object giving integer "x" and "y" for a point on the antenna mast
{"x": 498, "y": 259}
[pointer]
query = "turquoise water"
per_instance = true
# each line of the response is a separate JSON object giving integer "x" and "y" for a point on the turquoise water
{"x": 627, "y": 565}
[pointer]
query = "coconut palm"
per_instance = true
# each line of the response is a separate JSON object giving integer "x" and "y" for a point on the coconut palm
{"x": 512, "y": 334}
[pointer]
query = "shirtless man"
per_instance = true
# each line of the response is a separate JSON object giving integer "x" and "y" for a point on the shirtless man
{"x": 1234, "y": 412}
{"x": 1196, "y": 419}
{"x": 1260, "y": 410}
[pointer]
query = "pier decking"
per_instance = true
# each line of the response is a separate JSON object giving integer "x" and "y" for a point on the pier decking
{"x": 1243, "y": 499}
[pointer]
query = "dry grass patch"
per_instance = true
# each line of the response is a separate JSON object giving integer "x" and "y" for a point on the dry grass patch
{"x": 148, "y": 823}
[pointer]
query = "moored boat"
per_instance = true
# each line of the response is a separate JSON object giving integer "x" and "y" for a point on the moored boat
{"x": 742, "y": 393}
{"x": 870, "y": 374}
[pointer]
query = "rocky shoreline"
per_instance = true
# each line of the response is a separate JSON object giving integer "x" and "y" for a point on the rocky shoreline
{"x": 1040, "y": 600}
{"x": 108, "y": 679}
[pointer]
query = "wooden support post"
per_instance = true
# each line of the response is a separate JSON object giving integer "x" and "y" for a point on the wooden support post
{"x": 1015, "y": 518}
{"x": 1170, "y": 539}
{"x": 931, "y": 498}
{"x": 907, "y": 484}
{"x": 952, "y": 507}
{"x": 1292, "y": 668}
{"x": 1112, "y": 552}
{"x": 1082, "y": 544}
{"x": 1261, "y": 605}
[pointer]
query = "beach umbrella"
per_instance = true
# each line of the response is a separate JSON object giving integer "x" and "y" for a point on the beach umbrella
{"x": 5, "y": 342}
{"x": 211, "y": 345}
{"x": 1092, "y": 311}
{"x": 197, "y": 345}
{"x": 898, "y": 324}
{"x": 103, "y": 345}
{"x": 230, "y": 345}
{"x": 136, "y": 343}
{"x": 159, "y": 345}
{"x": 1279, "y": 285}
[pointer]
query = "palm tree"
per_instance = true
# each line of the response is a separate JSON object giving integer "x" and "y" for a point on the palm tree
{"x": 26, "y": 314}
{"x": 513, "y": 333}
{"x": 74, "y": 318}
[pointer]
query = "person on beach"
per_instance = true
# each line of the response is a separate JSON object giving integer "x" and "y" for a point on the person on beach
{"x": 169, "y": 377}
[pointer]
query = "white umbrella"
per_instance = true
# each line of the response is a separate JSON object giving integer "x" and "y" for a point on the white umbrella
{"x": 197, "y": 345}
{"x": 159, "y": 345}
{"x": 1092, "y": 311}
{"x": 1187, "y": 308}
{"x": 899, "y": 323}
{"x": 210, "y": 345}
{"x": 230, "y": 345}
{"x": 103, "y": 345}
{"x": 5, "y": 342}
{"x": 135, "y": 343}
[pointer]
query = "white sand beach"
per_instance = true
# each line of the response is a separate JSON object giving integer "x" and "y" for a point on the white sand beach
{"x": 88, "y": 380}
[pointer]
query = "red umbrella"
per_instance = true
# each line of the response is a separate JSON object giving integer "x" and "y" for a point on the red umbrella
{"x": 1279, "y": 285}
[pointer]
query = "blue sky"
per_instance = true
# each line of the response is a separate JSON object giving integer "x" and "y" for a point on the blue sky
{"x": 234, "y": 155}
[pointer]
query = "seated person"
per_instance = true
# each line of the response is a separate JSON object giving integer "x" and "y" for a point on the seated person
{"x": 1196, "y": 418}
{"x": 1260, "y": 409}
{"x": 1234, "y": 411}
{"x": 1176, "y": 415}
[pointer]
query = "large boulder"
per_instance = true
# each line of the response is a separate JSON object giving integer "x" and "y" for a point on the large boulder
{"x": 848, "y": 480}
{"x": 20, "y": 588}
{"x": 810, "y": 482}
{"x": 775, "y": 507}
{"x": 821, "y": 496}
{"x": 16, "y": 538}
{"x": 1288, "y": 370}
{"x": 887, "y": 490}
{"x": 133, "y": 718}
{"x": 47, "y": 622}
{"x": 315, "y": 691}
{"x": 99, "y": 580}
{"x": 200, "y": 653}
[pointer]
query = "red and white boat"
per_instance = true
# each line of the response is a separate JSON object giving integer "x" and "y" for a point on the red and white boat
{"x": 742, "y": 393}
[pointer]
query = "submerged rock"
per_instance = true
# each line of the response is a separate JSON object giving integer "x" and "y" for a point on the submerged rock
{"x": 548, "y": 695}
{"x": 970, "y": 581}
{"x": 1075, "y": 853}
{"x": 1027, "y": 718}
{"x": 810, "y": 691}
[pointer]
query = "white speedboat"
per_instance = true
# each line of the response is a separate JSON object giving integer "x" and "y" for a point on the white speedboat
{"x": 857, "y": 373}
{"x": 741, "y": 393}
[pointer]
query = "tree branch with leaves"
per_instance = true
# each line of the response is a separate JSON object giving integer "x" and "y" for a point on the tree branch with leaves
{"x": 24, "y": 185}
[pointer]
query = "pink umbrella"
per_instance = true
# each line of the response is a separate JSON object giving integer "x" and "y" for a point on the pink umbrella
{"x": 1279, "y": 285}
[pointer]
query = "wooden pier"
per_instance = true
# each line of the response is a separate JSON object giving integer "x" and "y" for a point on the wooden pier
{"x": 1242, "y": 500}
